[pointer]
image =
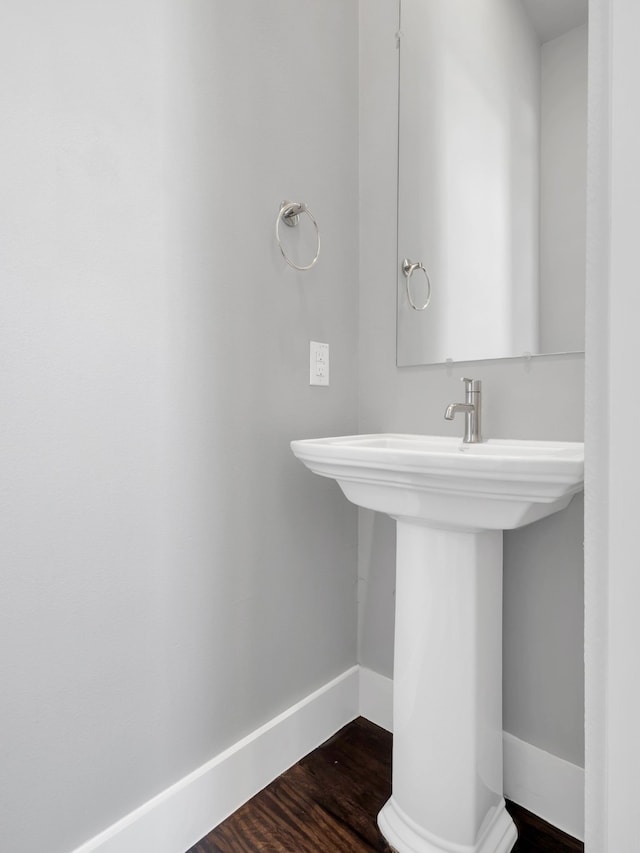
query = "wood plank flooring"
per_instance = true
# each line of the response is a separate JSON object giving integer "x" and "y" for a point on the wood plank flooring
{"x": 328, "y": 802}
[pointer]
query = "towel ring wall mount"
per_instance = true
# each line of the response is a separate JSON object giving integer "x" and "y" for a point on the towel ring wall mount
{"x": 289, "y": 213}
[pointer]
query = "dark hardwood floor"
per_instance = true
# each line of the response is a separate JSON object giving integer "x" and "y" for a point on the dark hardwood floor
{"x": 328, "y": 802}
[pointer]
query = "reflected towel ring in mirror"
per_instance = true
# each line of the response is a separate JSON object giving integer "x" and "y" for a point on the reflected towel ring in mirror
{"x": 408, "y": 268}
{"x": 289, "y": 213}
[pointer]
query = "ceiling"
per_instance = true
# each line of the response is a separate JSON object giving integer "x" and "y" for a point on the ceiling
{"x": 552, "y": 18}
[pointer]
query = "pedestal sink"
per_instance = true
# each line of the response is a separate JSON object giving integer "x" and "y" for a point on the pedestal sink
{"x": 451, "y": 502}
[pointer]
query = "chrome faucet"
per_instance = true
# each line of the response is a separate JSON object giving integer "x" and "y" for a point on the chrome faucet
{"x": 472, "y": 411}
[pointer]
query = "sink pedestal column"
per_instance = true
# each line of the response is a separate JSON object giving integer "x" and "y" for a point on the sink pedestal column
{"x": 447, "y": 702}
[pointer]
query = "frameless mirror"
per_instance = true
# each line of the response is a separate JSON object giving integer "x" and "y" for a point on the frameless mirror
{"x": 492, "y": 179}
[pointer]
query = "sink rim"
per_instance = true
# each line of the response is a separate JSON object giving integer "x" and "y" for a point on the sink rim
{"x": 435, "y": 481}
{"x": 415, "y": 452}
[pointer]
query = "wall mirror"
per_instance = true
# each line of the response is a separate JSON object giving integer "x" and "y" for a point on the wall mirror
{"x": 492, "y": 179}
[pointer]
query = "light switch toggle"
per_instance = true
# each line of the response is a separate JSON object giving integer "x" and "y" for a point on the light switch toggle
{"x": 318, "y": 363}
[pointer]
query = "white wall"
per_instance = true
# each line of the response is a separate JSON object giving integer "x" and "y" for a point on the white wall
{"x": 171, "y": 576}
{"x": 540, "y": 398}
{"x": 612, "y": 580}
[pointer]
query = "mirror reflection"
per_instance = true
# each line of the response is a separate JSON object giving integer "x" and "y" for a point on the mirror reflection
{"x": 492, "y": 179}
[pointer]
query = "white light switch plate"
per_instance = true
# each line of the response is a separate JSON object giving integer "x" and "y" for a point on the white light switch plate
{"x": 318, "y": 363}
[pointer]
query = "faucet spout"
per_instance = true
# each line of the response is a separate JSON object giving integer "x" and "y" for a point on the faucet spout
{"x": 454, "y": 408}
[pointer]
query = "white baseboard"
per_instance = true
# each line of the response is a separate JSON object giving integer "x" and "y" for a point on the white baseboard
{"x": 540, "y": 782}
{"x": 544, "y": 784}
{"x": 181, "y": 815}
{"x": 376, "y": 698}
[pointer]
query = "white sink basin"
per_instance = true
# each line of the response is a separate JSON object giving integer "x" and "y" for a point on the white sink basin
{"x": 496, "y": 485}
{"x": 451, "y": 502}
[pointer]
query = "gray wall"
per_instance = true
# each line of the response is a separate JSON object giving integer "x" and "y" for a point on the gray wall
{"x": 171, "y": 577}
{"x": 537, "y": 399}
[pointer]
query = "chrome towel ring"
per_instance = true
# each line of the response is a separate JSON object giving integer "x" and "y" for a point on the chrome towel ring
{"x": 289, "y": 213}
{"x": 408, "y": 268}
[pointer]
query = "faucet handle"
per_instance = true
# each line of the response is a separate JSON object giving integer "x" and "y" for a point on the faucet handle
{"x": 471, "y": 385}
